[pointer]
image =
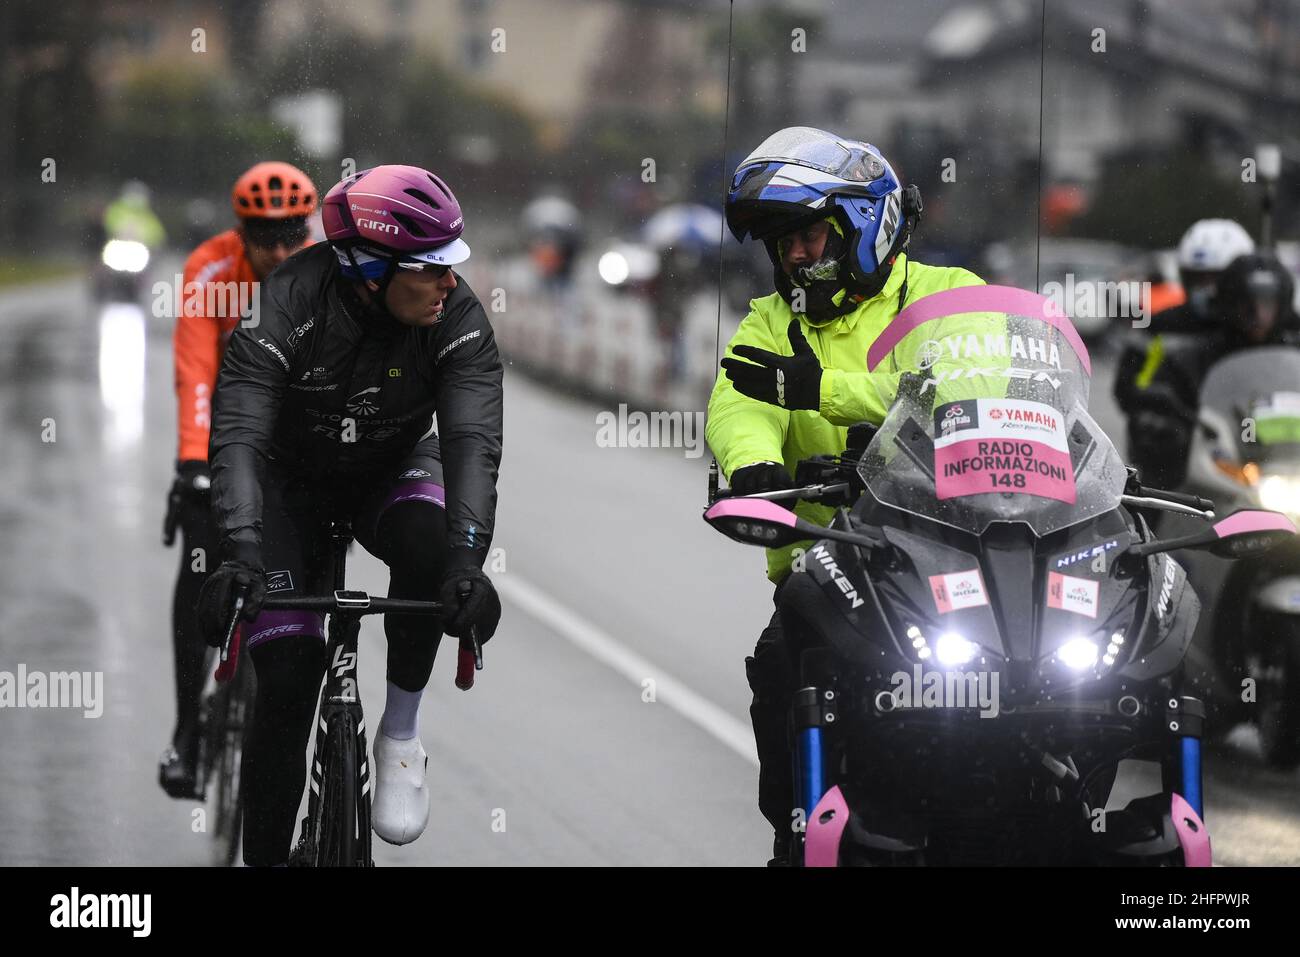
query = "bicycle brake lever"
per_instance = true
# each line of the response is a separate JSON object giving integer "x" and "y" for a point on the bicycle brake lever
{"x": 478, "y": 647}
{"x": 234, "y": 623}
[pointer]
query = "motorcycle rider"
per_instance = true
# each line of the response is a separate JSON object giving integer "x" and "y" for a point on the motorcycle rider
{"x": 1204, "y": 253}
{"x": 272, "y": 201}
{"x": 1254, "y": 300}
{"x": 554, "y": 231}
{"x": 836, "y": 221}
{"x": 130, "y": 217}
{"x": 325, "y": 408}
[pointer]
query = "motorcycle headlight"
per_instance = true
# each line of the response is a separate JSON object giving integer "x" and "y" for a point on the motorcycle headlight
{"x": 1078, "y": 654}
{"x": 1280, "y": 493}
{"x": 125, "y": 255}
{"x": 952, "y": 650}
{"x": 613, "y": 268}
{"x": 920, "y": 647}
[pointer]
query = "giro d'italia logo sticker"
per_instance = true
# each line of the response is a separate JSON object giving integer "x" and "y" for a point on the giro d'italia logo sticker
{"x": 1078, "y": 595}
{"x": 958, "y": 590}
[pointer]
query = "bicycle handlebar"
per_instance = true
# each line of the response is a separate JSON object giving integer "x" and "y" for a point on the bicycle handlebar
{"x": 468, "y": 660}
{"x": 354, "y": 603}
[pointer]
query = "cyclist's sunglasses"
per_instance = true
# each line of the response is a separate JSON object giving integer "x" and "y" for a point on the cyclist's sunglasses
{"x": 269, "y": 234}
{"x": 429, "y": 269}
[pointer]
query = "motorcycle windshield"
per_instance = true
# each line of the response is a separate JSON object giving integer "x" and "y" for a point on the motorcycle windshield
{"x": 987, "y": 389}
{"x": 1259, "y": 386}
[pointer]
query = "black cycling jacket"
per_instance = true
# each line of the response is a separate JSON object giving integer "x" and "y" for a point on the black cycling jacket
{"x": 332, "y": 391}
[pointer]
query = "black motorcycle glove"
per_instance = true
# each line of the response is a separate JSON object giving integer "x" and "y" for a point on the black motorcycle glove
{"x": 470, "y": 600}
{"x": 791, "y": 382}
{"x": 760, "y": 477}
{"x": 217, "y": 598}
{"x": 1161, "y": 401}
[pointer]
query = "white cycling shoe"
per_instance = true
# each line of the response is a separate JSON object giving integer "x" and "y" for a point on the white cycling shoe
{"x": 401, "y": 808}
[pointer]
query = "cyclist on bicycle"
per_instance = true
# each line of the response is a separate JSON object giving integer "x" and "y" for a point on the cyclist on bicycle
{"x": 272, "y": 201}
{"x": 325, "y": 408}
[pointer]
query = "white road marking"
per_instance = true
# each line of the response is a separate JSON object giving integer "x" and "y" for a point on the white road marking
{"x": 669, "y": 690}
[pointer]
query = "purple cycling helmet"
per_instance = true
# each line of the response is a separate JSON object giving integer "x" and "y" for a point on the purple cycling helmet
{"x": 393, "y": 213}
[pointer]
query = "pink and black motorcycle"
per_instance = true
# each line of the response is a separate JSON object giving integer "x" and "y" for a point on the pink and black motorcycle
{"x": 991, "y": 640}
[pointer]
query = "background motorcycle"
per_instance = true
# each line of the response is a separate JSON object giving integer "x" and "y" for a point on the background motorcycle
{"x": 1245, "y": 452}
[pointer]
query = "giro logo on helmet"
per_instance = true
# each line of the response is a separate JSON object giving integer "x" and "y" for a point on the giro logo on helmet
{"x": 382, "y": 227}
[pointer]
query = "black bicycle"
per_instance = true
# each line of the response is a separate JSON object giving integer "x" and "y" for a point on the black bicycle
{"x": 336, "y": 831}
{"x": 225, "y": 715}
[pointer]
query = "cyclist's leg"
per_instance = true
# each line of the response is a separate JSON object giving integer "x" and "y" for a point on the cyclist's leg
{"x": 288, "y": 653}
{"x": 190, "y": 653}
{"x": 190, "y": 650}
{"x": 403, "y": 523}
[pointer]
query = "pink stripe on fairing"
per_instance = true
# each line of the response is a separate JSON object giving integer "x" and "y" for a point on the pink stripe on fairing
{"x": 1192, "y": 835}
{"x": 821, "y": 846}
{"x": 758, "y": 509}
{"x": 954, "y": 302}
{"x": 1254, "y": 520}
{"x": 416, "y": 490}
{"x": 278, "y": 624}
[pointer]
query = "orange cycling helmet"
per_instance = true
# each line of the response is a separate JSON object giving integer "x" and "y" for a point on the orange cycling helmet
{"x": 273, "y": 191}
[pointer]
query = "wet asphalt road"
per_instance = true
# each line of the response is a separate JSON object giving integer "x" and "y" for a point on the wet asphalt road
{"x": 610, "y": 579}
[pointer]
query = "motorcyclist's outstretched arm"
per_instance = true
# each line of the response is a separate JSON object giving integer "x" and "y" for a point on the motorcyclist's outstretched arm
{"x": 468, "y": 374}
{"x": 851, "y": 396}
{"x": 254, "y": 377}
{"x": 741, "y": 430}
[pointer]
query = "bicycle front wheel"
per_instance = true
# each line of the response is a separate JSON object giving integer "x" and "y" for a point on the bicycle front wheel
{"x": 336, "y": 821}
{"x": 229, "y": 805}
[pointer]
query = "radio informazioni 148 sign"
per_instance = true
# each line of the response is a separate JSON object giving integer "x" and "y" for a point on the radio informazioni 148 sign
{"x": 1001, "y": 445}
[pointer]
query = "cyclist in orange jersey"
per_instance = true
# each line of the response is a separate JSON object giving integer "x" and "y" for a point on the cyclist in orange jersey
{"x": 273, "y": 202}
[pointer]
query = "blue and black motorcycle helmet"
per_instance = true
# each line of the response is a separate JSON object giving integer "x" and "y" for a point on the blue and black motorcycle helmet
{"x": 801, "y": 175}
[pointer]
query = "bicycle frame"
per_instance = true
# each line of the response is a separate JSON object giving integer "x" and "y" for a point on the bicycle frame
{"x": 340, "y": 707}
{"x": 340, "y": 700}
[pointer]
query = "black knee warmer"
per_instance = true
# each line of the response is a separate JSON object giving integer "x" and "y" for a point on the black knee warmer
{"x": 289, "y": 672}
{"x": 412, "y": 539}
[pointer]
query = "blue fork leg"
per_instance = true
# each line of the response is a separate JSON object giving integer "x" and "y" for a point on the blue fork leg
{"x": 812, "y": 776}
{"x": 1192, "y": 774}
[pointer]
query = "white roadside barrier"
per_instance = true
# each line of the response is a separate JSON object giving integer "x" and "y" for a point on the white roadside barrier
{"x": 594, "y": 340}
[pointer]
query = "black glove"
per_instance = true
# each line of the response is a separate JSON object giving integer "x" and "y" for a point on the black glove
{"x": 1160, "y": 400}
{"x": 192, "y": 485}
{"x": 760, "y": 477}
{"x": 217, "y": 598}
{"x": 470, "y": 600}
{"x": 792, "y": 382}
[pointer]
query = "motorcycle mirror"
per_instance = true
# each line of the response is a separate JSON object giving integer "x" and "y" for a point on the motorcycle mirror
{"x": 1249, "y": 532}
{"x": 1243, "y": 533}
{"x": 755, "y": 521}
